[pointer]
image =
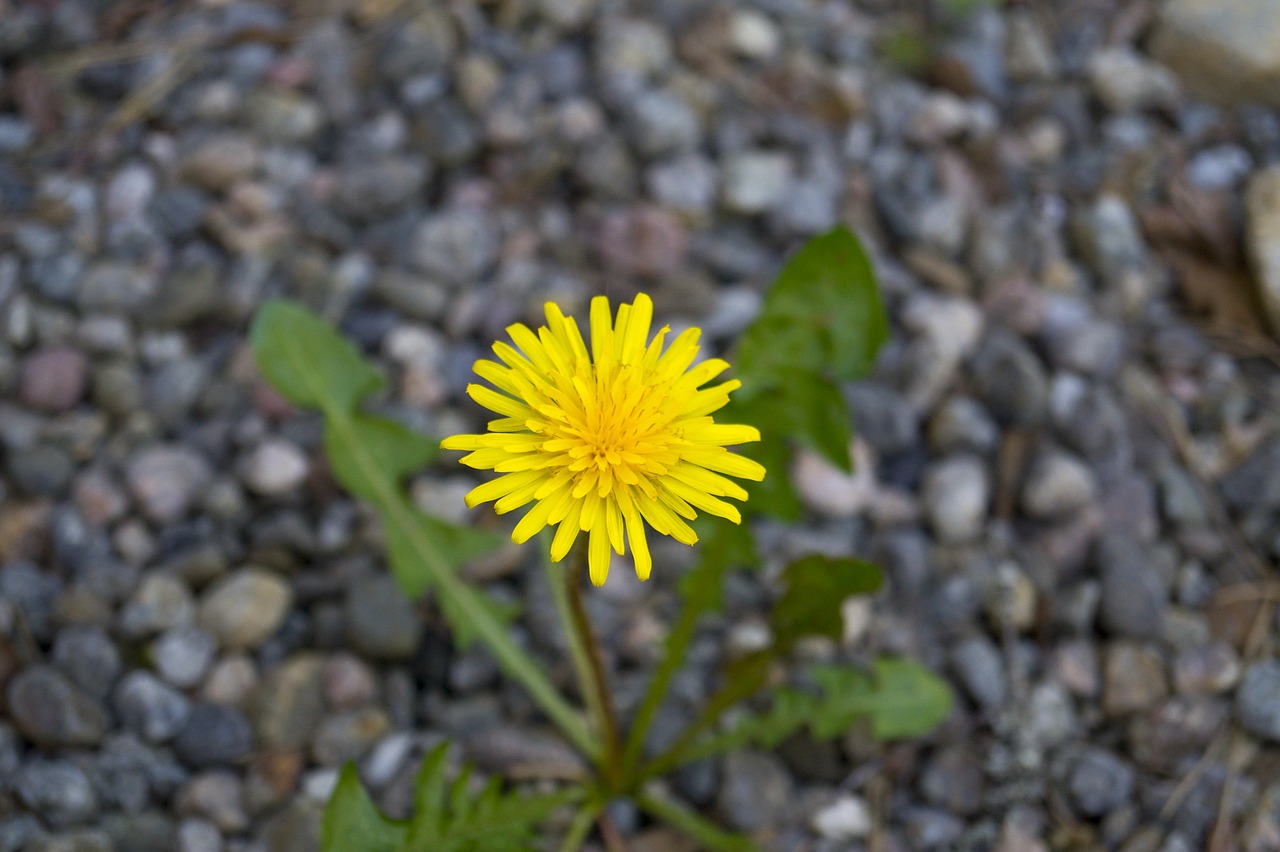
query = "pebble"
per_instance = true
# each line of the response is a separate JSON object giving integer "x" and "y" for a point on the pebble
{"x": 456, "y": 247}
{"x": 1100, "y": 782}
{"x": 58, "y": 790}
{"x": 53, "y": 380}
{"x": 753, "y": 181}
{"x": 166, "y": 481}
{"x": 956, "y": 493}
{"x": 349, "y": 735}
{"x": 755, "y": 790}
{"x": 221, "y": 161}
{"x": 214, "y": 735}
{"x": 196, "y": 835}
{"x": 1223, "y": 51}
{"x": 1262, "y": 237}
{"x": 380, "y": 622}
{"x": 830, "y": 491}
{"x": 289, "y": 704}
{"x": 216, "y": 796}
{"x": 847, "y": 818}
{"x": 183, "y": 655}
{"x": 1258, "y": 700}
{"x": 86, "y": 654}
{"x": 978, "y": 663}
{"x": 51, "y": 712}
{"x": 1010, "y": 379}
{"x": 1125, "y": 80}
{"x": 275, "y": 467}
{"x": 1133, "y": 599}
{"x": 150, "y": 707}
{"x": 1133, "y": 678}
{"x": 160, "y": 602}
{"x": 1208, "y": 669}
{"x": 245, "y": 608}
{"x": 1057, "y": 484}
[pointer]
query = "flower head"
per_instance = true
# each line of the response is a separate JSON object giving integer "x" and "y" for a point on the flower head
{"x": 605, "y": 441}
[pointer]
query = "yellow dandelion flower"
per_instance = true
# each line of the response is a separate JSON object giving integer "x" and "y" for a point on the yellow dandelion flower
{"x": 604, "y": 441}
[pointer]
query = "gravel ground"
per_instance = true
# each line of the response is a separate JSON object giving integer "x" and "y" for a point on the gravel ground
{"x": 1070, "y": 460}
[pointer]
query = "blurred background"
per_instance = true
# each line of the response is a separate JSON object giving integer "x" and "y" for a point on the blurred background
{"x": 1068, "y": 456}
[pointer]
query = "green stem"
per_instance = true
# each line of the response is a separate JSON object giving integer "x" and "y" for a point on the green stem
{"x": 513, "y": 661}
{"x": 580, "y": 827}
{"x": 677, "y": 643}
{"x": 708, "y": 835}
{"x": 567, "y": 594}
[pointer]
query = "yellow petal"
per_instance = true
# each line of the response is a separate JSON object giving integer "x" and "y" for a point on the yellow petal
{"x": 598, "y": 555}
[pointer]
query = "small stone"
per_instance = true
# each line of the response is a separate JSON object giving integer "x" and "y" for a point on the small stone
{"x": 1057, "y": 484}
{"x": 846, "y": 818}
{"x": 217, "y": 796}
{"x": 754, "y": 180}
{"x": 661, "y": 123}
{"x": 643, "y": 241}
{"x": 160, "y": 602}
{"x": 183, "y": 655}
{"x": 830, "y": 491}
{"x": 58, "y": 791}
{"x": 166, "y": 480}
{"x": 221, "y": 162}
{"x": 276, "y": 467}
{"x": 245, "y": 608}
{"x": 457, "y": 246}
{"x": 349, "y": 736}
{"x": 150, "y": 707}
{"x": 88, "y": 657}
{"x": 1100, "y": 782}
{"x": 295, "y": 827}
{"x": 369, "y": 190}
{"x": 51, "y": 712}
{"x": 230, "y": 681}
{"x": 755, "y": 791}
{"x": 53, "y": 380}
{"x": 1223, "y": 50}
{"x": 520, "y": 752}
{"x": 956, "y": 492}
{"x": 282, "y": 116}
{"x": 1125, "y": 80}
{"x": 953, "y": 779}
{"x": 196, "y": 835}
{"x": 289, "y": 704}
{"x": 380, "y": 622}
{"x": 1171, "y": 738}
{"x": 213, "y": 735}
{"x": 978, "y": 663}
{"x": 1133, "y": 597}
{"x": 1258, "y": 700}
{"x": 686, "y": 184}
{"x": 1010, "y": 379}
{"x": 961, "y": 423}
{"x": 753, "y": 35}
{"x": 1206, "y": 669}
{"x": 1133, "y": 679}
{"x": 348, "y": 682}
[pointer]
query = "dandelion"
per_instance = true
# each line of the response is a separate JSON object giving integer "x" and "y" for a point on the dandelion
{"x": 605, "y": 441}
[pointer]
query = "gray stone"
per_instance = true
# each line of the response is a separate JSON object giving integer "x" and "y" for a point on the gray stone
{"x": 1206, "y": 669}
{"x": 1133, "y": 596}
{"x": 686, "y": 184}
{"x": 279, "y": 115}
{"x": 150, "y": 707}
{"x": 978, "y": 663}
{"x": 1133, "y": 678}
{"x": 368, "y": 190}
{"x": 221, "y": 161}
{"x": 380, "y": 622}
{"x": 54, "y": 379}
{"x": 58, "y": 791}
{"x": 88, "y": 657}
{"x": 349, "y": 736}
{"x": 1223, "y": 50}
{"x": 1100, "y": 782}
{"x": 883, "y": 418}
{"x": 1170, "y": 738}
{"x": 663, "y": 123}
{"x": 275, "y": 467}
{"x": 149, "y": 831}
{"x": 1125, "y": 80}
{"x": 166, "y": 481}
{"x": 961, "y": 423}
{"x": 456, "y": 246}
{"x": 43, "y": 470}
{"x": 756, "y": 790}
{"x": 1057, "y": 484}
{"x": 183, "y": 655}
{"x": 1010, "y": 379}
{"x": 956, "y": 492}
{"x": 160, "y": 602}
{"x": 214, "y": 734}
{"x": 295, "y": 828}
{"x": 245, "y": 608}
{"x": 754, "y": 180}
{"x": 1258, "y": 700}
{"x": 289, "y": 704}
{"x": 51, "y": 712}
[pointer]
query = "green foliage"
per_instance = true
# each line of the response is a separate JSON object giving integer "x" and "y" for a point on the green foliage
{"x": 821, "y": 323}
{"x": 900, "y": 698}
{"x": 311, "y": 365}
{"x": 816, "y": 586}
{"x": 447, "y": 817}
